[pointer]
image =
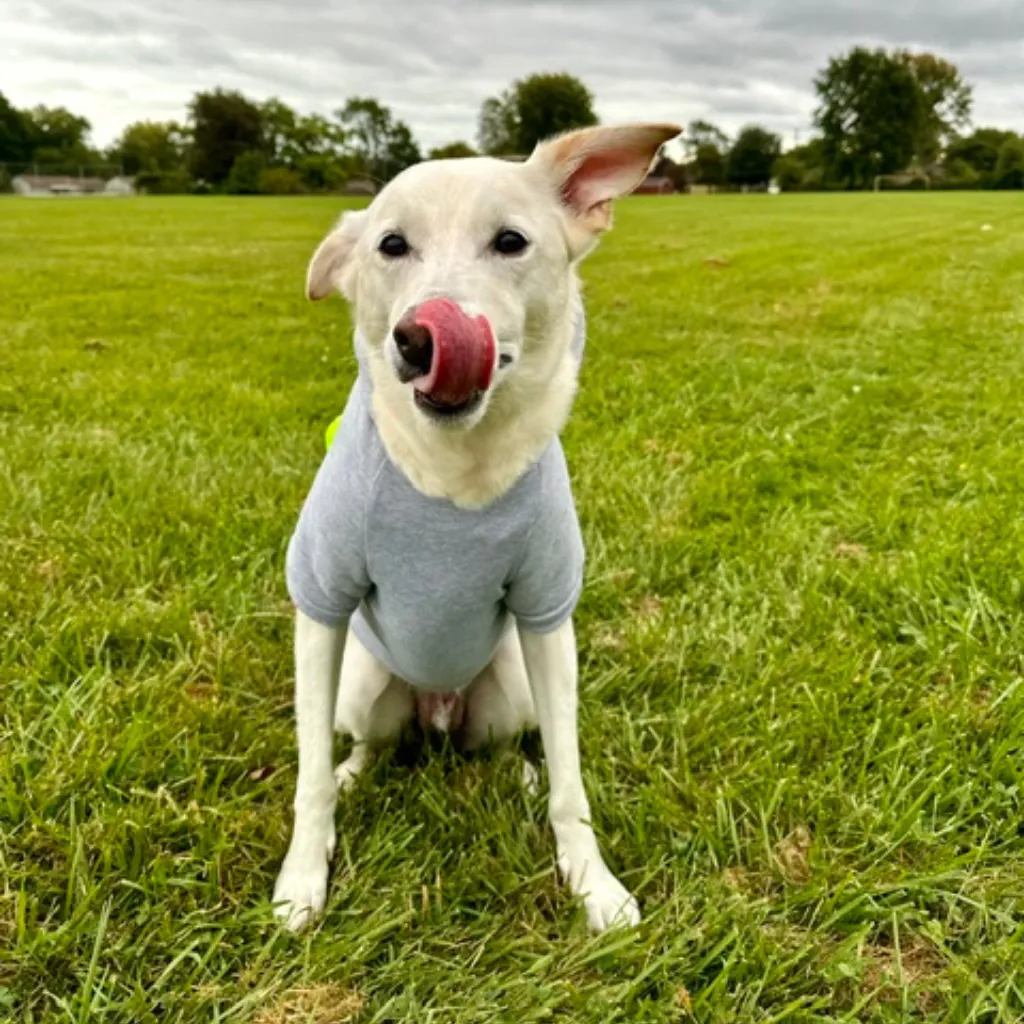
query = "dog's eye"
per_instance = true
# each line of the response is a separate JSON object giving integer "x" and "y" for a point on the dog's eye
{"x": 509, "y": 243}
{"x": 393, "y": 246}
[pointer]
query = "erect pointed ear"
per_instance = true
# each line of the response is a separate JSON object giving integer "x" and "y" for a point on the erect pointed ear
{"x": 331, "y": 259}
{"x": 592, "y": 166}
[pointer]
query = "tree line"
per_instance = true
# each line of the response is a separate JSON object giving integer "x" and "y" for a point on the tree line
{"x": 890, "y": 119}
{"x": 884, "y": 117}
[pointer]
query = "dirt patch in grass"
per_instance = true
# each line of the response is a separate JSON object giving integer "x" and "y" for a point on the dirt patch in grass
{"x": 857, "y": 552}
{"x": 792, "y": 855}
{"x": 917, "y": 966}
{"x": 319, "y": 1004}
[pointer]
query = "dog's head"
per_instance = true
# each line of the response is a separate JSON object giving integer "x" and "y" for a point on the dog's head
{"x": 461, "y": 272}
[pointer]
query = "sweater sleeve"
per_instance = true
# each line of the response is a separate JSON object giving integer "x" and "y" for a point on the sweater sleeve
{"x": 546, "y": 587}
{"x": 326, "y": 566}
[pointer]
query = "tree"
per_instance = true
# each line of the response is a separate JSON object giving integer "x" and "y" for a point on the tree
{"x": 16, "y": 142}
{"x": 382, "y": 146}
{"x": 498, "y": 132}
{"x": 978, "y": 151}
{"x": 452, "y": 151}
{"x": 280, "y": 129}
{"x": 1009, "y": 172}
{"x": 310, "y": 147}
{"x": 176, "y": 181}
{"x": 246, "y": 172}
{"x": 549, "y": 105}
{"x": 150, "y": 146}
{"x": 315, "y": 135}
{"x": 534, "y": 109}
{"x": 280, "y": 181}
{"x": 59, "y": 140}
{"x": 960, "y": 174}
{"x": 800, "y": 168}
{"x": 57, "y": 128}
{"x": 224, "y": 126}
{"x": 708, "y": 165}
{"x": 789, "y": 172}
{"x": 880, "y": 111}
{"x": 945, "y": 102}
{"x": 704, "y": 133}
{"x": 322, "y": 171}
{"x": 706, "y": 145}
{"x": 666, "y": 167}
{"x": 752, "y": 156}
{"x": 870, "y": 115}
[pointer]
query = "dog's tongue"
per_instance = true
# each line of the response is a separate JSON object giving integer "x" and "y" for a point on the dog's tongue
{"x": 463, "y": 358}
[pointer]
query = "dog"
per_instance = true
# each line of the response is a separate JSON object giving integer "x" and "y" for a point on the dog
{"x": 438, "y": 559}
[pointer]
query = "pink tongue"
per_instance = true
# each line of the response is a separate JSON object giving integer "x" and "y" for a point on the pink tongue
{"x": 463, "y": 357}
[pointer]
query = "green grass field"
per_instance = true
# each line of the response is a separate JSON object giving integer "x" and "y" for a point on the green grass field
{"x": 798, "y": 456}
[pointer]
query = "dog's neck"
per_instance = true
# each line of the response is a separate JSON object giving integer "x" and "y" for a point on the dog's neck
{"x": 474, "y": 468}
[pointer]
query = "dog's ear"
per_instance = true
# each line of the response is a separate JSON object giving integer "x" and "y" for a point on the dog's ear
{"x": 593, "y": 166}
{"x": 327, "y": 267}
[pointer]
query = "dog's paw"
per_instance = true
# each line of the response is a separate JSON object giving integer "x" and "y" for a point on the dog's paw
{"x": 345, "y": 776}
{"x": 608, "y": 903}
{"x": 300, "y": 893}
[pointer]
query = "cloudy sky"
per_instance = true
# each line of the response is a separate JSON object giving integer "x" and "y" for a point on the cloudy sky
{"x": 731, "y": 61}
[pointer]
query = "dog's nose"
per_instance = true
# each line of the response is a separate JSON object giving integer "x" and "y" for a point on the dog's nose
{"x": 415, "y": 344}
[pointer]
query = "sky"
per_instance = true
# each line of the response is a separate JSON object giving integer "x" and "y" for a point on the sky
{"x": 733, "y": 61}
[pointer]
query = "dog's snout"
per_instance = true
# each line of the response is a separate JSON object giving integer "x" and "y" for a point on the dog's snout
{"x": 415, "y": 345}
{"x": 447, "y": 355}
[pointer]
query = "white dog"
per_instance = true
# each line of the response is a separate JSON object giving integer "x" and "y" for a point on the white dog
{"x": 437, "y": 561}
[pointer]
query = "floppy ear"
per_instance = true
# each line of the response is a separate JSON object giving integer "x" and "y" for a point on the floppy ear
{"x": 593, "y": 166}
{"x": 327, "y": 267}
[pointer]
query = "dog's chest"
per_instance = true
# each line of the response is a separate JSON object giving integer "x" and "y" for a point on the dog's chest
{"x": 438, "y": 559}
{"x": 439, "y": 577}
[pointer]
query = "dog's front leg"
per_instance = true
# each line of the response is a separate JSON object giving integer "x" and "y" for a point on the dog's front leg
{"x": 301, "y": 890}
{"x": 551, "y": 667}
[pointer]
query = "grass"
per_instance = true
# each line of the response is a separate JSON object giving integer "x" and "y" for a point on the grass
{"x": 797, "y": 455}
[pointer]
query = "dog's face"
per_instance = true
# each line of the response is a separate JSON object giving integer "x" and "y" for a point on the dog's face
{"x": 461, "y": 271}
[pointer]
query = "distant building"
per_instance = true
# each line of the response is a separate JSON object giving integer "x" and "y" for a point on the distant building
{"x": 120, "y": 186}
{"x": 359, "y": 187}
{"x": 56, "y": 185}
{"x": 66, "y": 185}
{"x": 914, "y": 177}
{"x": 654, "y": 185}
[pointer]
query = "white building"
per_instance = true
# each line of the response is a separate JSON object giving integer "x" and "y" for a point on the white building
{"x": 120, "y": 186}
{"x": 66, "y": 185}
